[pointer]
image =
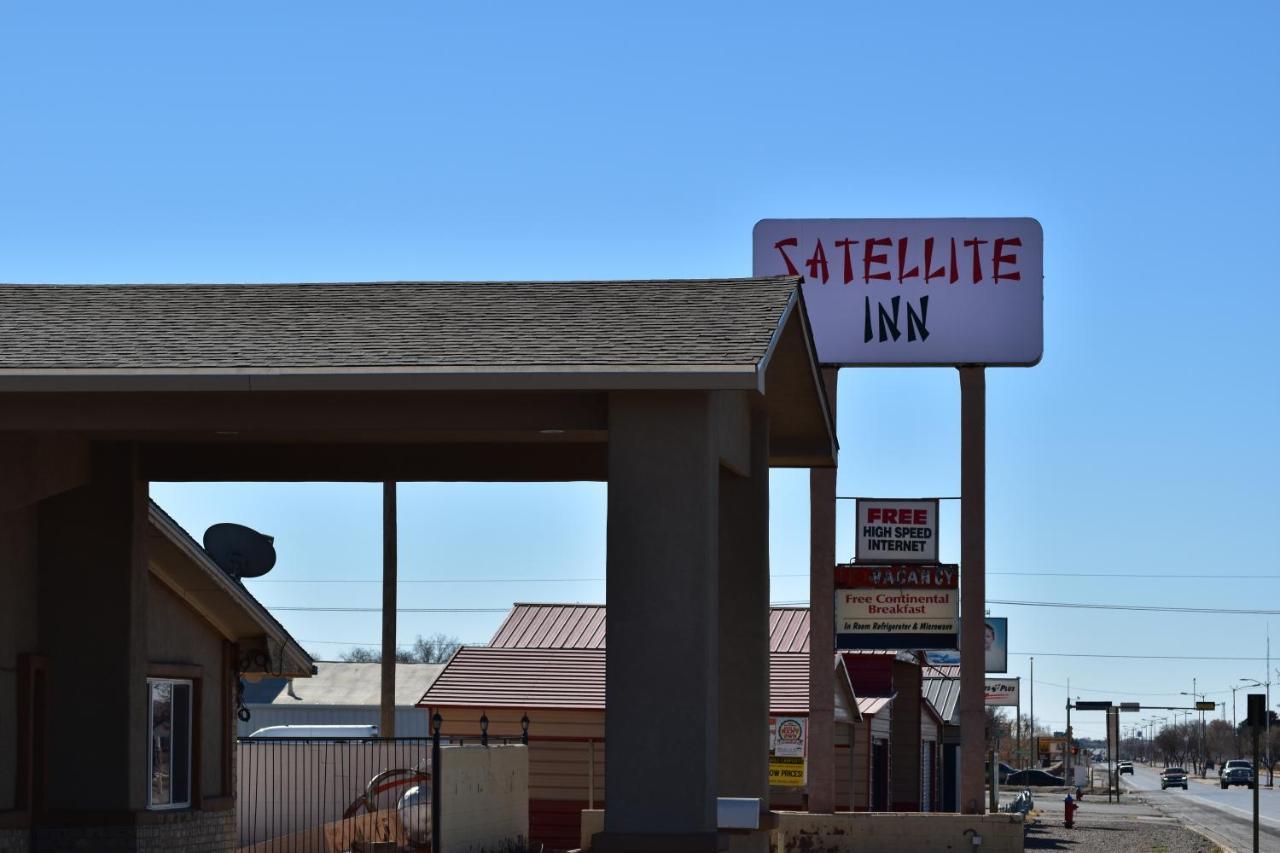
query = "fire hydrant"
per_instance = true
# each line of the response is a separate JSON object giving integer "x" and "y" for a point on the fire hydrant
{"x": 1069, "y": 812}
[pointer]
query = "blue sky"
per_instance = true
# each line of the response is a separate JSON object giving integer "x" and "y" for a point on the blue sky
{"x": 337, "y": 141}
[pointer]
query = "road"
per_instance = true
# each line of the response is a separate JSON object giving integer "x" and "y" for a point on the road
{"x": 1226, "y": 816}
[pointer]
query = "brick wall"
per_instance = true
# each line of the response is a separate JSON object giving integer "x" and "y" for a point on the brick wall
{"x": 797, "y": 832}
{"x": 162, "y": 832}
{"x": 189, "y": 832}
{"x": 15, "y": 840}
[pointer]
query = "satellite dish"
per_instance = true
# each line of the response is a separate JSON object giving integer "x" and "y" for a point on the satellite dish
{"x": 240, "y": 551}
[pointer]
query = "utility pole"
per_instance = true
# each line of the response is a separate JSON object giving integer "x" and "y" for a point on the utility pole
{"x": 1066, "y": 758}
{"x": 1035, "y": 743}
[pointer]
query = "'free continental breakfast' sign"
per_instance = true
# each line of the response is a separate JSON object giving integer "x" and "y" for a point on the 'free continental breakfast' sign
{"x": 897, "y": 607}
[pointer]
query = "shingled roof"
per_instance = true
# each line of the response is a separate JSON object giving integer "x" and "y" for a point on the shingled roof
{"x": 718, "y": 325}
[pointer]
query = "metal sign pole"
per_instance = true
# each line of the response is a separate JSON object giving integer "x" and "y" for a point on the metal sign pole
{"x": 1258, "y": 714}
{"x": 973, "y": 583}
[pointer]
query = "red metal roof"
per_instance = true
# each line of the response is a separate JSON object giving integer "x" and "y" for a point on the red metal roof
{"x": 485, "y": 677}
{"x": 582, "y": 626}
{"x": 789, "y": 629}
{"x": 551, "y": 626}
{"x": 789, "y": 684}
{"x": 482, "y": 677}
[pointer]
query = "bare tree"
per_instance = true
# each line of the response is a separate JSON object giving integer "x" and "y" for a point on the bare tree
{"x": 434, "y": 649}
{"x": 1219, "y": 742}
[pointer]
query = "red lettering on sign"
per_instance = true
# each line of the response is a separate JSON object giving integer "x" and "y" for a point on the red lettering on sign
{"x": 789, "y": 241}
{"x": 818, "y": 260}
{"x": 869, "y": 257}
{"x": 848, "y": 261}
{"x": 914, "y": 272}
{"x": 977, "y": 259}
{"x": 1001, "y": 258}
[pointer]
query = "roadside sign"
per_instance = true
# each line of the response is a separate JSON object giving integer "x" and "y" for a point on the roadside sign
{"x": 1002, "y": 691}
{"x": 995, "y": 635}
{"x": 1129, "y": 707}
{"x": 1206, "y": 706}
{"x": 897, "y": 607}
{"x": 898, "y": 531}
{"x": 1052, "y": 747}
{"x": 1091, "y": 705}
{"x": 788, "y": 745}
{"x": 914, "y": 291}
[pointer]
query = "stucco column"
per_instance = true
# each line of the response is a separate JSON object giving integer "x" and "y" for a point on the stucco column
{"x": 822, "y": 628}
{"x": 93, "y": 629}
{"x": 744, "y": 623}
{"x": 662, "y": 690}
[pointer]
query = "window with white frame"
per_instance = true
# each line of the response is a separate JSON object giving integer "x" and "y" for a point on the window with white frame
{"x": 169, "y": 702}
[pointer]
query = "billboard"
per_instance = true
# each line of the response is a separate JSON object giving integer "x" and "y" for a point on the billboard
{"x": 914, "y": 291}
{"x": 1002, "y": 691}
{"x": 788, "y": 745}
{"x": 995, "y": 639}
{"x": 897, "y": 607}
{"x": 897, "y": 531}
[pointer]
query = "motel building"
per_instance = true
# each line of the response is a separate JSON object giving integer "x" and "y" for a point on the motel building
{"x": 681, "y": 395}
{"x": 176, "y": 738}
{"x": 546, "y": 663}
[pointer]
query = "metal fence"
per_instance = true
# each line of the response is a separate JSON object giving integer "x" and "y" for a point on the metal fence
{"x": 316, "y": 795}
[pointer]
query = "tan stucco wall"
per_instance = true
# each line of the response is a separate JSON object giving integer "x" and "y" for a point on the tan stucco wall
{"x": 904, "y": 755}
{"x": 18, "y": 630}
{"x": 797, "y": 832}
{"x": 485, "y": 793}
{"x": 176, "y": 634}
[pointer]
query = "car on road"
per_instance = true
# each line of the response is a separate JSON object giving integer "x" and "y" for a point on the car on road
{"x": 1125, "y": 767}
{"x": 1034, "y": 778}
{"x": 1173, "y": 777}
{"x": 1236, "y": 772}
{"x": 1003, "y": 769}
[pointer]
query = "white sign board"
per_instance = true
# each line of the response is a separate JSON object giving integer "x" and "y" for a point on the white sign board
{"x": 788, "y": 736}
{"x": 995, "y": 639}
{"x": 914, "y": 291}
{"x": 892, "y": 531}
{"x": 899, "y": 607}
{"x": 1002, "y": 691}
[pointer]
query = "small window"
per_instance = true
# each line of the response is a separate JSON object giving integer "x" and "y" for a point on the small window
{"x": 169, "y": 748}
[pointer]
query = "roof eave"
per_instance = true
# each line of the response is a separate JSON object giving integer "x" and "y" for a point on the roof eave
{"x": 729, "y": 377}
{"x": 294, "y": 661}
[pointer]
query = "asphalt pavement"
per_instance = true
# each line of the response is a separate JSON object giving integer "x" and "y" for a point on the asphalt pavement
{"x": 1225, "y": 816}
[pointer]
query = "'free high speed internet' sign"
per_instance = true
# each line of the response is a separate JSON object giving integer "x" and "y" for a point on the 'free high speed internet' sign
{"x": 914, "y": 291}
{"x": 893, "y": 531}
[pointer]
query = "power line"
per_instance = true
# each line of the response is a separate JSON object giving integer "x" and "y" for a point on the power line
{"x": 376, "y": 643}
{"x": 1132, "y": 657}
{"x": 433, "y": 580}
{"x": 1148, "y": 608}
{"x": 598, "y": 579}
{"x": 1140, "y": 607}
{"x": 398, "y": 609}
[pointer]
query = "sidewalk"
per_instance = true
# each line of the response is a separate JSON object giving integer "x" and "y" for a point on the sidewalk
{"x": 1102, "y": 827}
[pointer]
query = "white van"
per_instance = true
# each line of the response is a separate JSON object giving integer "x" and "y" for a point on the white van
{"x": 335, "y": 732}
